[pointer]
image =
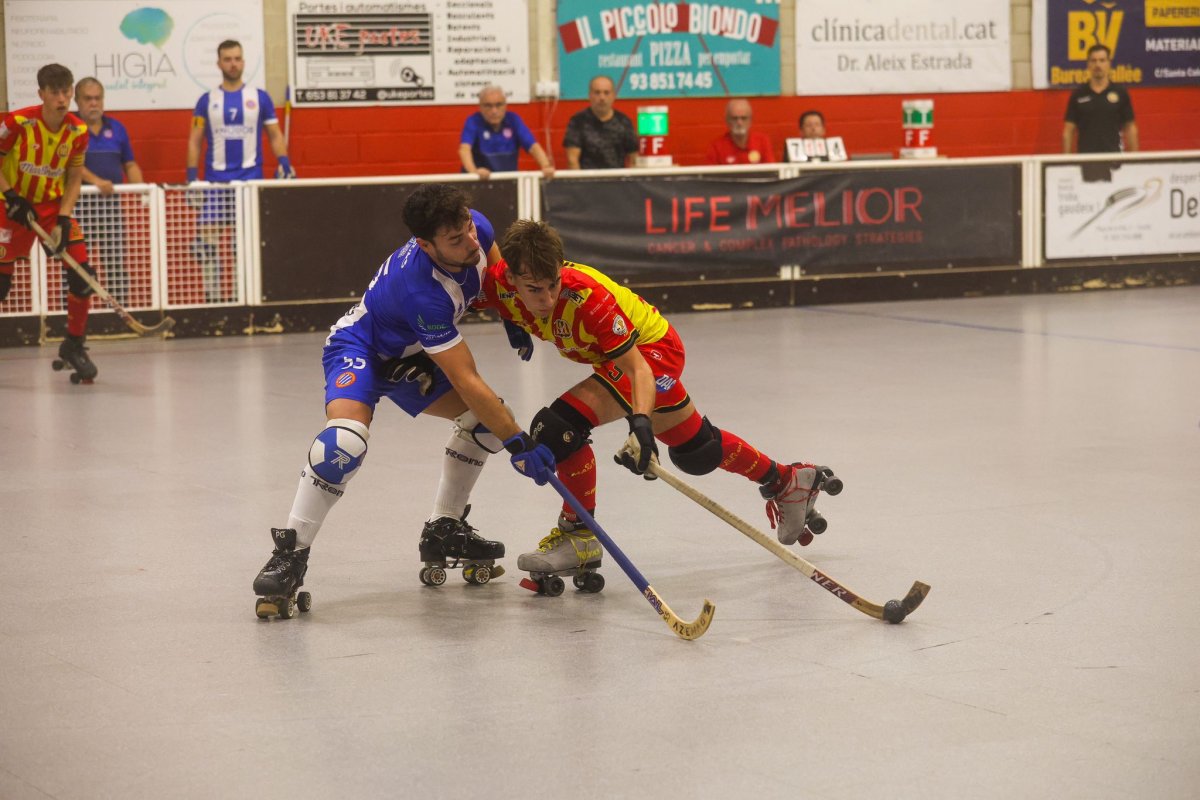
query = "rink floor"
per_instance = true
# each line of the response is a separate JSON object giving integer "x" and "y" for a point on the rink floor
{"x": 1035, "y": 459}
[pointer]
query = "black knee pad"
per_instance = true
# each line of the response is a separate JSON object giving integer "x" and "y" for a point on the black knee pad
{"x": 5, "y": 285}
{"x": 702, "y": 453}
{"x": 561, "y": 428}
{"x": 76, "y": 285}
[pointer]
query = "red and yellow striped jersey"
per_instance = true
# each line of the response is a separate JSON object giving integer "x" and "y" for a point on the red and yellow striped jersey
{"x": 594, "y": 320}
{"x": 36, "y": 158}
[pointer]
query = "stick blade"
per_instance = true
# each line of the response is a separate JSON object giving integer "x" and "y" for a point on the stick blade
{"x": 157, "y": 329}
{"x": 916, "y": 595}
{"x": 694, "y": 629}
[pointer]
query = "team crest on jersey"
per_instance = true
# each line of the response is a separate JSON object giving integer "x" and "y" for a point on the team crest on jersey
{"x": 3, "y": 250}
{"x": 561, "y": 328}
{"x": 508, "y": 133}
{"x": 5, "y": 235}
{"x": 108, "y": 134}
{"x": 1112, "y": 97}
{"x": 63, "y": 150}
{"x": 345, "y": 379}
{"x": 619, "y": 327}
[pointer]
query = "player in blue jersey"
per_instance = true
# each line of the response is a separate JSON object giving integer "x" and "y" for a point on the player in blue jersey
{"x": 412, "y": 306}
{"x": 231, "y": 119}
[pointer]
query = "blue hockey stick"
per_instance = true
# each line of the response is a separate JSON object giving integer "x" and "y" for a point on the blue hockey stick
{"x": 684, "y": 630}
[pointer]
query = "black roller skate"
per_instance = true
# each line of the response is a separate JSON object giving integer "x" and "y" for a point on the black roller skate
{"x": 276, "y": 585}
{"x": 570, "y": 549}
{"x": 72, "y": 353}
{"x": 790, "y": 498}
{"x": 449, "y": 543}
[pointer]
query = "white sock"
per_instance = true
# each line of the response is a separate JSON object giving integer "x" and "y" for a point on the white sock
{"x": 461, "y": 466}
{"x": 314, "y": 498}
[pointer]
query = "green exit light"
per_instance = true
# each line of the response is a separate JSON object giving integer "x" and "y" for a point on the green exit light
{"x": 652, "y": 121}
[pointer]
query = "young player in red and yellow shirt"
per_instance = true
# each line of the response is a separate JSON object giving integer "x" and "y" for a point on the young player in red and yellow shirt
{"x": 637, "y": 359}
{"x": 42, "y": 149}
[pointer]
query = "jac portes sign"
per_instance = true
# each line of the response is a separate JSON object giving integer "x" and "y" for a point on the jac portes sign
{"x": 826, "y": 223}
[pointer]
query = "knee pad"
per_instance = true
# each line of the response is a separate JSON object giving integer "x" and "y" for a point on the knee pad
{"x": 339, "y": 450}
{"x": 468, "y": 428}
{"x": 6, "y": 279}
{"x": 561, "y": 428}
{"x": 702, "y": 453}
{"x": 76, "y": 285}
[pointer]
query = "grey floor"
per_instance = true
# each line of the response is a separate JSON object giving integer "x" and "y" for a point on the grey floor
{"x": 1035, "y": 459}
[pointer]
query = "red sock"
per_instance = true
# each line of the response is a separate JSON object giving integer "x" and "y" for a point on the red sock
{"x": 77, "y": 314}
{"x": 578, "y": 470}
{"x": 739, "y": 457}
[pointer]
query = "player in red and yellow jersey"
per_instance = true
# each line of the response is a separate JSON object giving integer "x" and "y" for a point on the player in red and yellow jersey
{"x": 42, "y": 149}
{"x": 637, "y": 359}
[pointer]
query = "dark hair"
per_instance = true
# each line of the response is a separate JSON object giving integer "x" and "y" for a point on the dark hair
{"x": 1096, "y": 47}
{"x": 533, "y": 250}
{"x": 55, "y": 76}
{"x": 434, "y": 206}
{"x": 88, "y": 81}
{"x": 811, "y": 113}
{"x": 228, "y": 44}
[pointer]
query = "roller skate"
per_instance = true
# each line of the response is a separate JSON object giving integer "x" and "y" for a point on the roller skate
{"x": 570, "y": 549}
{"x": 449, "y": 543}
{"x": 72, "y": 353}
{"x": 790, "y": 497}
{"x": 283, "y": 574}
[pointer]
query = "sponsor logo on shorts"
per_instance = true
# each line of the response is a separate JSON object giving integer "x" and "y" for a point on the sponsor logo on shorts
{"x": 6, "y": 235}
{"x": 345, "y": 379}
{"x": 561, "y": 328}
{"x": 3, "y": 251}
{"x": 665, "y": 383}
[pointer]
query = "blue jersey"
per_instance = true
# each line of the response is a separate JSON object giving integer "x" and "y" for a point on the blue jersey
{"x": 108, "y": 151}
{"x": 412, "y": 303}
{"x": 233, "y": 127}
{"x": 493, "y": 149}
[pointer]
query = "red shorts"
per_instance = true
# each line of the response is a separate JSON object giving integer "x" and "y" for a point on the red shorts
{"x": 16, "y": 240}
{"x": 665, "y": 357}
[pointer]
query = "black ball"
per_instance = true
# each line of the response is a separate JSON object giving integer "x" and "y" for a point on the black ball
{"x": 893, "y": 612}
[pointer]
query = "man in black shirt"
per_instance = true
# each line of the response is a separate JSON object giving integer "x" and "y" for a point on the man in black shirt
{"x": 1100, "y": 111}
{"x": 600, "y": 137}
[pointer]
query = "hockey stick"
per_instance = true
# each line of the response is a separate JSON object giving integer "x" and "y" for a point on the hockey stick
{"x": 893, "y": 611}
{"x": 684, "y": 630}
{"x": 137, "y": 327}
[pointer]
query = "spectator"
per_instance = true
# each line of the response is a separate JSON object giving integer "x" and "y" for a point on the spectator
{"x": 600, "y": 137}
{"x": 1099, "y": 111}
{"x": 493, "y": 137}
{"x": 231, "y": 119}
{"x": 107, "y": 162}
{"x": 812, "y": 125}
{"x": 740, "y": 145}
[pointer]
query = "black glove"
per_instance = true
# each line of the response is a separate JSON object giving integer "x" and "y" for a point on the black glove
{"x": 641, "y": 436}
{"x": 18, "y": 209}
{"x": 520, "y": 340}
{"x": 60, "y": 235}
{"x": 417, "y": 368}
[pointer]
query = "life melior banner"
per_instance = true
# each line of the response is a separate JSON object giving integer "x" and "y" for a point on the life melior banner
{"x": 159, "y": 56}
{"x": 827, "y": 223}
{"x": 1153, "y": 42}
{"x": 724, "y": 48}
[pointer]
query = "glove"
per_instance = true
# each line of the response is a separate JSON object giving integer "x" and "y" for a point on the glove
{"x": 60, "y": 235}
{"x": 193, "y": 174}
{"x": 639, "y": 447}
{"x": 284, "y": 171}
{"x": 529, "y": 458}
{"x": 520, "y": 340}
{"x": 18, "y": 209}
{"x": 417, "y": 368}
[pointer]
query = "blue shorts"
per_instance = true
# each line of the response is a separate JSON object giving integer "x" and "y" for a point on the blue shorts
{"x": 355, "y": 373}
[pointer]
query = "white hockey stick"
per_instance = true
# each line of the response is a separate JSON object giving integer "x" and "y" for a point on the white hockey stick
{"x": 893, "y": 611}
{"x": 137, "y": 327}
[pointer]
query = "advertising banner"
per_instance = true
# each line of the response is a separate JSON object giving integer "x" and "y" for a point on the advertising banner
{"x": 147, "y": 57}
{"x": 349, "y": 53}
{"x": 1141, "y": 208}
{"x": 651, "y": 49}
{"x": 826, "y": 223}
{"x": 1153, "y": 42}
{"x": 868, "y": 47}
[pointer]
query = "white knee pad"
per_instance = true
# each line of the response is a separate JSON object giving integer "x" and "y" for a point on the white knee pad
{"x": 339, "y": 450}
{"x": 468, "y": 428}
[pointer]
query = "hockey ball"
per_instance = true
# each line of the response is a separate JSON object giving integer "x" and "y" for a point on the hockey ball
{"x": 893, "y": 612}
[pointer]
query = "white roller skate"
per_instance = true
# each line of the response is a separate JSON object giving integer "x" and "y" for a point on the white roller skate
{"x": 790, "y": 500}
{"x": 569, "y": 549}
